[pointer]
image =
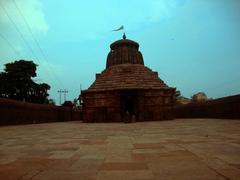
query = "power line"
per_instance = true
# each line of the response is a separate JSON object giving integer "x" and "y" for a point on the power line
{"x": 35, "y": 40}
{"x": 21, "y": 35}
{"x": 11, "y": 46}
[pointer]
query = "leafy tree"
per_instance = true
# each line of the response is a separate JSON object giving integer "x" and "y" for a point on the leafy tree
{"x": 16, "y": 83}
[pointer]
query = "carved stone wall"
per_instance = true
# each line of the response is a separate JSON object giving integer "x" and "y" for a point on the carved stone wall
{"x": 108, "y": 106}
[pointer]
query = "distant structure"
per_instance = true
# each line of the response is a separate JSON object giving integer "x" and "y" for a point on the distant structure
{"x": 182, "y": 100}
{"x": 127, "y": 90}
{"x": 199, "y": 97}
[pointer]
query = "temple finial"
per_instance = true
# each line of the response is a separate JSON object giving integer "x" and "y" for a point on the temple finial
{"x": 124, "y": 36}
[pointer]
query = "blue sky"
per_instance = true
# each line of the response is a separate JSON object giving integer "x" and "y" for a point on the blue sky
{"x": 194, "y": 45}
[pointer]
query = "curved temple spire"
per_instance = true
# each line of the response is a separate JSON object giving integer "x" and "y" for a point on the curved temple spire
{"x": 124, "y": 51}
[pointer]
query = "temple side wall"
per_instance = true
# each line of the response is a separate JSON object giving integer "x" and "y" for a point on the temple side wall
{"x": 101, "y": 107}
{"x": 14, "y": 112}
{"x": 223, "y": 108}
{"x": 156, "y": 105}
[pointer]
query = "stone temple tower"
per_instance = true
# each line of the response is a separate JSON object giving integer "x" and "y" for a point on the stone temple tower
{"x": 127, "y": 90}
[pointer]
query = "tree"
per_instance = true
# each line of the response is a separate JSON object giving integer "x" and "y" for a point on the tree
{"x": 16, "y": 83}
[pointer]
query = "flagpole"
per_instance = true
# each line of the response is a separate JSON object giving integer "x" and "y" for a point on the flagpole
{"x": 121, "y": 28}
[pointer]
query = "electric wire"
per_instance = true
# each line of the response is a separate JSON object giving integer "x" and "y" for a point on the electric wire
{"x": 11, "y": 46}
{"x": 21, "y": 35}
{"x": 36, "y": 42}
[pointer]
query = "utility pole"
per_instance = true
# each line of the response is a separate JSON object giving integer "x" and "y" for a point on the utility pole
{"x": 60, "y": 96}
{"x": 65, "y": 93}
{"x": 79, "y": 98}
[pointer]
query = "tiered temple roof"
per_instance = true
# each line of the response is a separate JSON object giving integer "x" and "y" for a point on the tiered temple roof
{"x": 127, "y": 76}
{"x": 125, "y": 70}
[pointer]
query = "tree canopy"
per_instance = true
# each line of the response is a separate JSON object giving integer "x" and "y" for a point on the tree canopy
{"x": 16, "y": 83}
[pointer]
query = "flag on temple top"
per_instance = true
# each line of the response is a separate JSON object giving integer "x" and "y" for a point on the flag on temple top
{"x": 120, "y": 28}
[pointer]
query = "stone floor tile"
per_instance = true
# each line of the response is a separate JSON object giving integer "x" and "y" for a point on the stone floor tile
{"x": 178, "y": 149}
{"x": 61, "y": 154}
{"x": 115, "y": 166}
{"x": 65, "y": 175}
{"x": 87, "y": 165}
{"x": 148, "y": 145}
{"x": 125, "y": 175}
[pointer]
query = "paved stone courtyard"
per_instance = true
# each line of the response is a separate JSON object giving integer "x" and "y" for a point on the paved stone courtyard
{"x": 178, "y": 149}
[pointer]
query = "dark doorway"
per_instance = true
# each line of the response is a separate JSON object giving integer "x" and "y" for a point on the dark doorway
{"x": 129, "y": 106}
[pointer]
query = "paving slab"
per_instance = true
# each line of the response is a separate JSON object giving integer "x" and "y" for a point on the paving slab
{"x": 177, "y": 149}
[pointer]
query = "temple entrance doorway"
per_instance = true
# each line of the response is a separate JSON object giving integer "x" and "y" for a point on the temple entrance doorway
{"x": 129, "y": 106}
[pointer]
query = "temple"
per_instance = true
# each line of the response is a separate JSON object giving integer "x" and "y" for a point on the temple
{"x": 127, "y": 90}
